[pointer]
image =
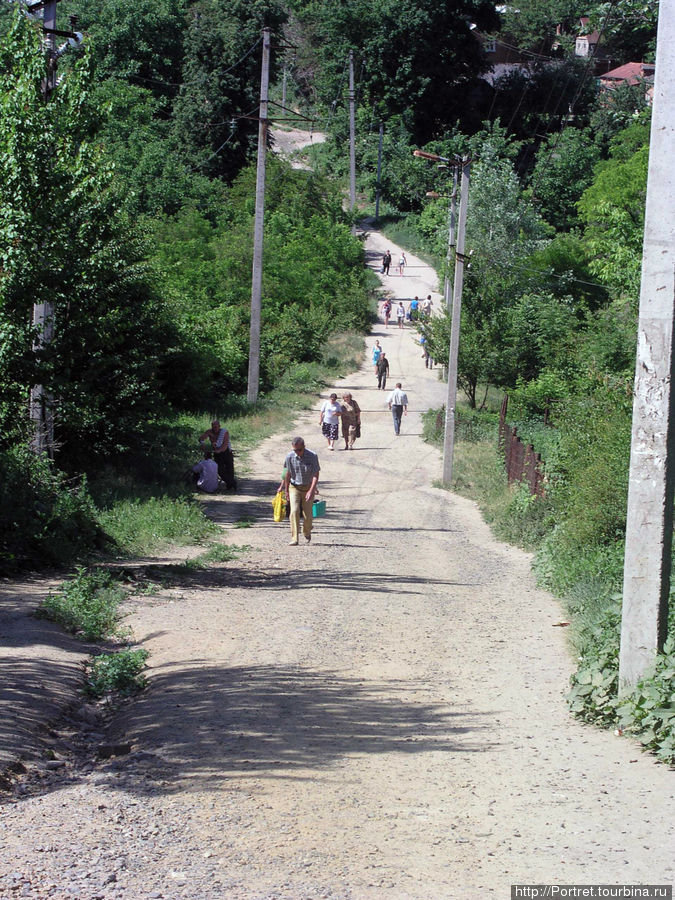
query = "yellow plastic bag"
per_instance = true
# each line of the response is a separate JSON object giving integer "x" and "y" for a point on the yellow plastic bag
{"x": 279, "y": 506}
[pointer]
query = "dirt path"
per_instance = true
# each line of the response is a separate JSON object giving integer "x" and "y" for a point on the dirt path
{"x": 376, "y": 715}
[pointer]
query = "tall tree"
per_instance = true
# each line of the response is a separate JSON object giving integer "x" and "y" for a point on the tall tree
{"x": 62, "y": 240}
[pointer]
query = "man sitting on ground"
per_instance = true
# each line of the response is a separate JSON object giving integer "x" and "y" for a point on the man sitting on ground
{"x": 205, "y": 473}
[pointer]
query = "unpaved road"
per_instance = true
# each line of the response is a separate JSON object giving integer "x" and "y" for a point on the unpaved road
{"x": 376, "y": 715}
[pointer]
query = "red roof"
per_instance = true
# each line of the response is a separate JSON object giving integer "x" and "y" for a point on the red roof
{"x": 630, "y": 73}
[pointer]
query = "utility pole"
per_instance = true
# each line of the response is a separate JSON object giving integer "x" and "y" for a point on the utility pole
{"x": 283, "y": 92}
{"x": 451, "y": 401}
{"x": 256, "y": 281}
{"x": 41, "y": 401}
{"x": 352, "y": 136}
{"x": 448, "y": 283}
{"x": 649, "y": 522}
{"x": 456, "y": 309}
{"x": 378, "y": 185}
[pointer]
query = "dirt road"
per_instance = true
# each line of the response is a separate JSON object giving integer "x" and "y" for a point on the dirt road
{"x": 378, "y": 714}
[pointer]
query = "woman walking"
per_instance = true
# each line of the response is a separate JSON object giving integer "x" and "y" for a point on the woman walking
{"x": 351, "y": 420}
{"x": 377, "y": 349}
{"x": 386, "y": 312}
{"x": 329, "y": 419}
{"x": 402, "y": 263}
{"x": 400, "y": 313}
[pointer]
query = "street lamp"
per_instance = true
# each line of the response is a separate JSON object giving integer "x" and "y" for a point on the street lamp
{"x": 451, "y": 397}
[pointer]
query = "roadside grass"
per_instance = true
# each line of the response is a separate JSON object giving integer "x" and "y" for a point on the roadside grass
{"x": 587, "y": 578}
{"x": 86, "y": 605}
{"x": 121, "y": 672}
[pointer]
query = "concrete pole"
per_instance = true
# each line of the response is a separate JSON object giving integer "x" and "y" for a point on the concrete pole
{"x": 451, "y": 399}
{"x": 41, "y": 401}
{"x": 649, "y": 523}
{"x": 283, "y": 93}
{"x": 447, "y": 286}
{"x": 352, "y": 136}
{"x": 378, "y": 188}
{"x": 258, "y": 228}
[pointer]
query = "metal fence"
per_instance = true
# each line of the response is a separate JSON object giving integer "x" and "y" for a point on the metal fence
{"x": 521, "y": 461}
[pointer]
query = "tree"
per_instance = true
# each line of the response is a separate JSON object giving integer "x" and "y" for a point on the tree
{"x": 218, "y": 100}
{"x": 414, "y": 57}
{"x": 62, "y": 239}
{"x": 612, "y": 210}
{"x": 563, "y": 169}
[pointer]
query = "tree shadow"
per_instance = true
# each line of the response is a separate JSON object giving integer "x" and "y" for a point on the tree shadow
{"x": 278, "y": 722}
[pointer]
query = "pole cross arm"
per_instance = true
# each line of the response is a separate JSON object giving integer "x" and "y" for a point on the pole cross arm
{"x": 434, "y": 157}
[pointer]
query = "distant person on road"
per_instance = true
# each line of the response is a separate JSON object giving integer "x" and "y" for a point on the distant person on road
{"x": 302, "y": 475}
{"x": 205, "y": 474}
{"x": 426, "y": 306}
{"x": 329, "y": 419}
{"x": 351, "y": 420}
{"x": 398, "y": 404}
{"x": 386, "y": 312}
{"x": 428, "y": 361}
{"x": 386, "y": 262}
{"x": 382, "y": 369}
{"x": 400, "y": 313}
{"x": 219, "y": 439}
{"x": 414, "y": 309}
{"x": 377, "y": 349}
{"x": 402, "y": 263}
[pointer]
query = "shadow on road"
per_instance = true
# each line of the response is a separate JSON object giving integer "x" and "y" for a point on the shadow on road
{"x": 278, "y": 722}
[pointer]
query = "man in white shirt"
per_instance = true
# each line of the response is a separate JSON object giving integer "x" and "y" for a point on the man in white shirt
{"x": 398, "y": 404}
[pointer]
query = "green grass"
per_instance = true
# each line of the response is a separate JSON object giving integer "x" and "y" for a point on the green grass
{"x": 87, "y": 605}
{"x": 139, "y": 526}
{"x": 120, "y": 671}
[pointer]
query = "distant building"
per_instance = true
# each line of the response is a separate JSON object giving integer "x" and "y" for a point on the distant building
{"x": 631, "y": 74}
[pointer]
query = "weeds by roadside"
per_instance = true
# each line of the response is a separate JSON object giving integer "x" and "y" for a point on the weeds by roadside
{"x": 121, "y": 672}
{"x": 87, "y": 605}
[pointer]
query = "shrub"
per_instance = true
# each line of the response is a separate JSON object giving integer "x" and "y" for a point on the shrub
{"x": 87, "y": 605}
{"x": 45, "y": 519}
{"x": 120, "y": 671}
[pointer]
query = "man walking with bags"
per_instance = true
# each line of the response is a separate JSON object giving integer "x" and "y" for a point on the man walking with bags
{"x": 398, "y": 404}
{"x": 300, "y": 480}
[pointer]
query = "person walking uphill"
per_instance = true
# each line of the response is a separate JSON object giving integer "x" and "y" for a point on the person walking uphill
{"x": 301, "y": 478}
{"x": 382, "y": 369}
{"x": 398, "y": 404}
{"x": 219, "y": 439}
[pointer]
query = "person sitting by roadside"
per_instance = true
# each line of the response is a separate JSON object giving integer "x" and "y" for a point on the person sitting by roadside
{"x": 205, "y": 474}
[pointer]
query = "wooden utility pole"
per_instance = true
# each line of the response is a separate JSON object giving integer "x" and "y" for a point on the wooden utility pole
{"x": 378, "y": 185}
{"x": 352, "y": 135}
{"x": 451, "y": 401}
{"x": 258, "y": 228}
{"x": 649, "y": 523}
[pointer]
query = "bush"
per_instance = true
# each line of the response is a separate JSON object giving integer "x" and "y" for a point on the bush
{"x": 45, "y": 518}
{"x": 87, "y": 605}
{"x": 120, "y": 671}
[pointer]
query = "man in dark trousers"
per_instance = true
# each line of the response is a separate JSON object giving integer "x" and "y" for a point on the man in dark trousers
{"x": 382, "y": 369}
{"x": 398, "y": 404}
{"x": 386, "y": 262}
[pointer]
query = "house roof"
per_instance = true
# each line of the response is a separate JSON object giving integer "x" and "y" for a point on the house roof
{"x": 630, "y": 73}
